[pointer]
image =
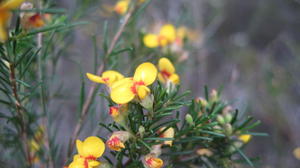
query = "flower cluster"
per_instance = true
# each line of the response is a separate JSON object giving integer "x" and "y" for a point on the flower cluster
{"x": 168, "y": 35}
{"x": 88, "y": 152}
{"x": 125, "y": 89}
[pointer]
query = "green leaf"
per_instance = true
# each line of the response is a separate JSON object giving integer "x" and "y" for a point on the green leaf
{"x": 245, "y": 157}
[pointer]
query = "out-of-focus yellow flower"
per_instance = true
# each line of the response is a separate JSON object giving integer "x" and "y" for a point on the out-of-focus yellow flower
{"x": 168, "y": 31}
{"x": 117, "y": 140}
{"x": 30, "y": 20}
{"x": 245, "y": 138}
{"x": 127, "y": 89}
{"x": 151, "y": 40}
{"x": 167, "y": 71}
{"x": 151, "y": 161}
{"x": 166, "y": 35}
{"x": 169, "y": 133}
{"x": 121, "y": 6}
{"x": 108, "y": 77}
{"x": 296, "y": 153}
{"x": 5, "y": 15}
{"x": 36, "y": 144}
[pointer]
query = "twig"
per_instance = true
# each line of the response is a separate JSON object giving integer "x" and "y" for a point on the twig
{"x": 92, "y": 89}
{"x": 19, "y": 109}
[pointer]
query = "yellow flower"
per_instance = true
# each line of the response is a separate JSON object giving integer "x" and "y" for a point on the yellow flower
{"x": 127, "y": 89}
{"x": 108, "y": 77}
{"x": 169, "y": 133}
{"x": 30, "y": 19}
{"x": 167, "y": 71}
{"x": 151, "y": 161}
{"x": 117, "y": 140}
{"x": 121, "y": 7}
{"x": 245, "y": 138}
{"x": 81, "y": 162}
{"x": 151, "y": 40}
{"x": 168, "y": 31}
{"x": 91, "y": 148}
{"x": 296, "y": 153}
{"x": 5, "y": 15}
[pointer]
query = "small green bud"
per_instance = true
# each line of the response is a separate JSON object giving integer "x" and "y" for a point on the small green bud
{"x": 202, "y": 101}
{"x": 189, "y": 119}
{"x": 228, "y": 129}
{"x": 147, "y": 102}
{"x": 228, "y": 117}
{"x": 214, "y": 95}
{"x": 141, "y": 130}
{"x": 220, "y": 119}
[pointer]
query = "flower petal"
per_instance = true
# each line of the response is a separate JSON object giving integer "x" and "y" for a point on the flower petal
{"x": 174, "y": 78}
{"x": 112, "y": 76}
{"x": 79, "y": 146}
{"x": 145, "y": 72}
{"x": 151, "y": 40}
{"x": 93, "y": 146}
{"x": 164, "y": 64}
{"x": 143, "y": 91}
{"x": 168, "y": 31}
{"x": 161, "y": 78}
{"x": 11, "y": 4}
{"x": 95, "y": 78}
{"x": 121, "y": 91}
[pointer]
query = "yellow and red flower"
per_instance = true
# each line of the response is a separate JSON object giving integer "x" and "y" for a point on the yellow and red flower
{"x": 119, "y": 113}
{"x": 30, "y": 20}
{"x": 169, "y": 133}
{"x": 108, "y": 77}
{"x": 167, "y": 72}
{"x": 125, "y": 90}
{"x": 117, "y": 140}
{"x": 166, "y": 35}
{"x": 89, "y": 151}
{"x": 5, "y": 15}
{"x": 151, "y": 161}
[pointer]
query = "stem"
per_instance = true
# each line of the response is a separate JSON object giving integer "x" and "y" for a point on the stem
{"x": 19, "y": 109}
{"x": 92, "y": 89}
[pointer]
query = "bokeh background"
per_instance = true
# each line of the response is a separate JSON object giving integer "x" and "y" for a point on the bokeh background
{"x": 251, "y": 48}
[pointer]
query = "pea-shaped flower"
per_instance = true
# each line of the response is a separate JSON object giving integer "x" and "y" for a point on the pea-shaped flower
{"x": 169, "y": 133}
{"x": 5, "y": 15}
{"x": 167, "y": 71}
{"x": 117, "y": 140}
{"x": 152, "y": 161}
{"x": 92, "y": 147}
{"x": 127, "y": 89}
{"x": 107, "y": 77}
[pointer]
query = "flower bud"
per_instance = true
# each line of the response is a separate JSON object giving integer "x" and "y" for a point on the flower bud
{"x": 119, "y": 113}
{"x": 169, "y": 133}
{"x": 204, "y": 152}
{"x": 228, "y": 129}
{"x": 189, "y": 119}
{"x": 151, "y": 161}
{"x": 220, "y": 119}
{"x": 214, "y": 95}
{"x": 228, "y": 117}
{"x": 147, "y": 102}
{"x": 117, "y": 140}
{"x": 141, "y": 131}
{"x": 202, "y": 101}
